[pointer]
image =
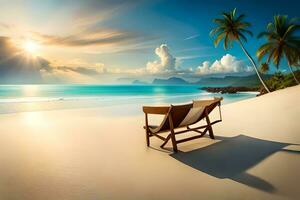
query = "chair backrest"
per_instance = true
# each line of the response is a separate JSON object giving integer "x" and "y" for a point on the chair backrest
{"x": 203, "y": 103}
{"x": 208, "y": 104}
{"x": 179, "y": 112}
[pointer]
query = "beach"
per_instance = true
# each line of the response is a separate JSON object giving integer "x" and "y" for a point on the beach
{"x": 101, "y": 153}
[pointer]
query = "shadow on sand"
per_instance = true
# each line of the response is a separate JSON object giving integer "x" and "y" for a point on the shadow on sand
{"x": 231, "y": 158}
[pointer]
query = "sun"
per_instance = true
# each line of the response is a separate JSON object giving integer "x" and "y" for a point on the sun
{"x": 31, "y": 47}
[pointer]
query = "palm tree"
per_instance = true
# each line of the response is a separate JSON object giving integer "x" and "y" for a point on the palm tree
{"x": 282, "y": 41}
{"x": 231, "y": 27}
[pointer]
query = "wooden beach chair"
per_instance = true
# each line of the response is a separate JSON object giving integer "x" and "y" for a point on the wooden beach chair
{"x": 182, "y": 116}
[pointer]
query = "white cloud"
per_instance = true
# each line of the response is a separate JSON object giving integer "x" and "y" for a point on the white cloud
{"x": 227, "y": 64}
{"x": 166, "y": 64}
{"x": 78, "y": 70}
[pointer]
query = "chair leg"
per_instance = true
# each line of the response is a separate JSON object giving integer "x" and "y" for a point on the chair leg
{"x": 174, "y": 143}
{"x": 147, "y": 138}
{"x": 147, "y": 130}
{"x": 211, "y": 133}
{"x": 210, "y": 130}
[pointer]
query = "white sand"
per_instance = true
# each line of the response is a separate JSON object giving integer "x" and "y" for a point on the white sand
{"x": 84, "y": 154}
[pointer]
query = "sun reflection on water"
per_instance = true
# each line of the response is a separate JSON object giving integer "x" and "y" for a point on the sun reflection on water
{"x": 30, "y": 90}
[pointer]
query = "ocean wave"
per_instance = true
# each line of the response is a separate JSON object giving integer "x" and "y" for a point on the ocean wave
{"x": 98, "y": 98}
{"x": 115, "y": 98}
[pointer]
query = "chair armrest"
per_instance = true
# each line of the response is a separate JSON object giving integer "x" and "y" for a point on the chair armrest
{"x": 160, "y": 110}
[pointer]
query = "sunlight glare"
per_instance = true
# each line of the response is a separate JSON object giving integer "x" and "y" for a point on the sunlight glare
{"x": 31, "y": 47}
{"x": 30, "y": 90}
{"x": 36, "y": 121}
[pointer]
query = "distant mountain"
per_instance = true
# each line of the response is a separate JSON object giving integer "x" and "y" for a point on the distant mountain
{"x": 251, "y": 80}
{"x": 125, "y": 80}
{"x": 234, "y": 81}
{"x": 170, "y": 81}
{"x": 138, "y": 82}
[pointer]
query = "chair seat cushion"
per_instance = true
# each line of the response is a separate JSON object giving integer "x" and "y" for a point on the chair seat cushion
{"x": 192, "y": 116}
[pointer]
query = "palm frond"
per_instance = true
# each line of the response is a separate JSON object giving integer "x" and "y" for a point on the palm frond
{"x": 246, "y": 31}
{"x": 292, "y": 57}
{"x": 219, "y": 21}
{"x": 241, "y": 35}
{"x": 219, "y": 38}
{"x": 243, "y": 24}
{"x": 227, "y": 16}
{"x": 240, "y": 18}
{"x": 270, "y": 26}
{"x": 271, "y": 55}
{"x": 226, "y": 40}
{"x": 263, "y": 50}
{"x": 264, "y": 67}
{"x": 291, "y": 29}
{"x": 216, "y": 31}
{"x": 233, "y": 12}
{"x": 277, "y": 56}
{"x": 263, "y": 34}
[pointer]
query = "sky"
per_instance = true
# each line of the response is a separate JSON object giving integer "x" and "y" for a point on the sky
{"x": 114, "y": 41}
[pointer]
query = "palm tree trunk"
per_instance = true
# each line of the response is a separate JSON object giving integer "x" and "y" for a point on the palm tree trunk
{"x": 254, "y": 66}
{"x": 293, "y": 74}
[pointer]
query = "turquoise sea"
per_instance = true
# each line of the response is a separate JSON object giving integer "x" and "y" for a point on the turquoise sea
{"x": 105, "y": 95}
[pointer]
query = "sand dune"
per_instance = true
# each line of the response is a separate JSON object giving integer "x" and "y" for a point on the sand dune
{"x": 99, "y": 154}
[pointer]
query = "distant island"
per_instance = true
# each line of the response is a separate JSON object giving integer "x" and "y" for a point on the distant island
{"x": 226, "y": 81}
{"x": 138, "y": 82}
{"x": 230, "y": 89}
{"x": 170, "y": 81}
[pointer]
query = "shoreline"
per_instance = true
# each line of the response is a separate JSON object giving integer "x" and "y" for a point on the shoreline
{"x": 98, "y": 102}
